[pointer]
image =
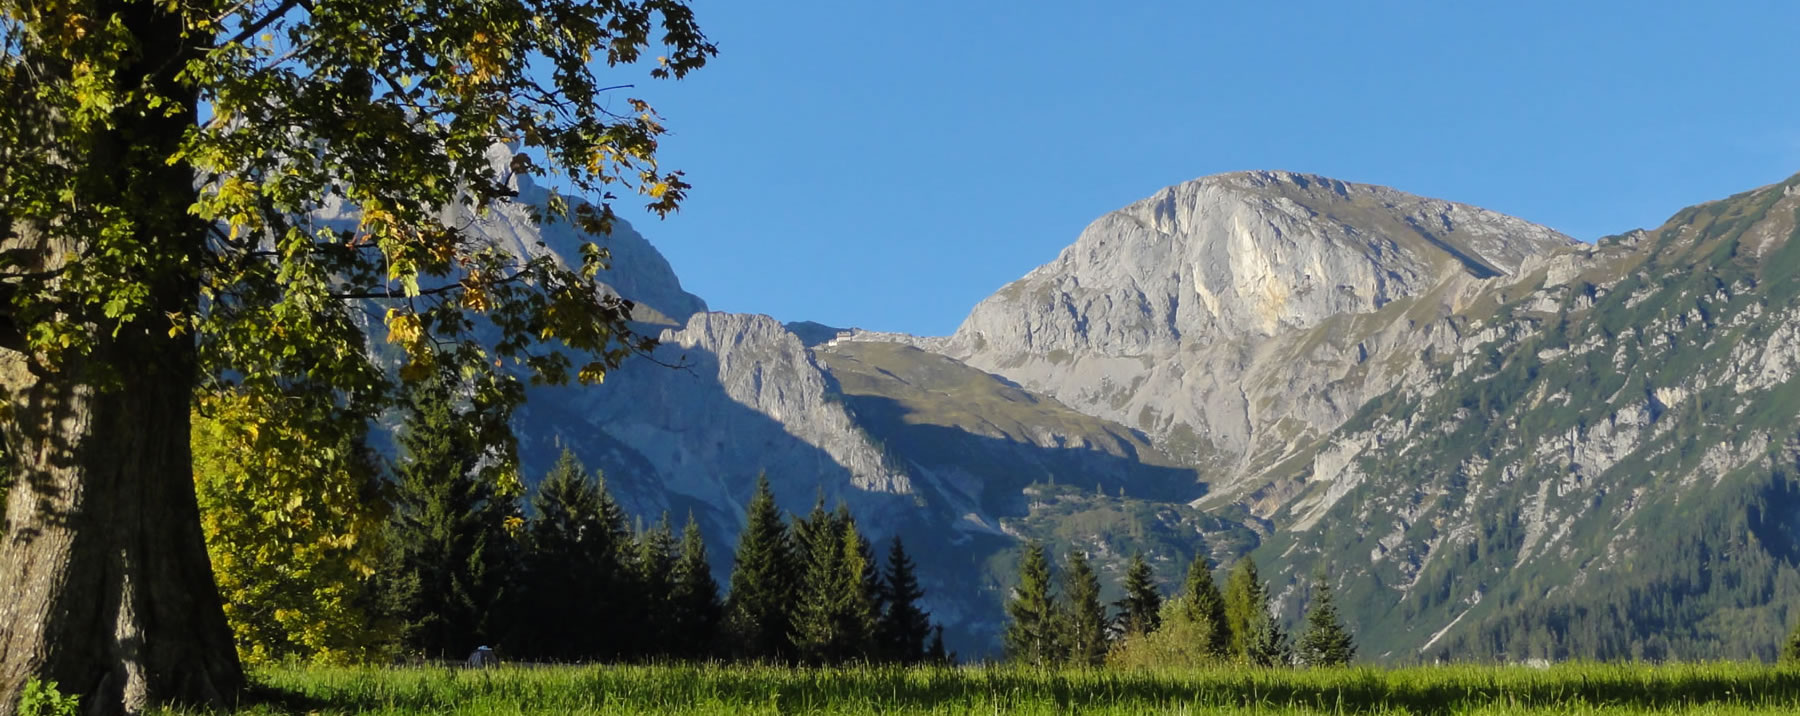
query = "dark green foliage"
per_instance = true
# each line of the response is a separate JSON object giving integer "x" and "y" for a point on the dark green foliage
{"x": 904, "y": 626}
{"x": 655, "y": 573}
{"x": 1206, "y": 607}
{"x": 695, "y": 612}
{"x": 1244, "y": 597}
{"x": 446, "y": 570}
{"x": 763, "y": 582}
{"x": 1032, "y": 636}
{"x": 1790, "y": 649}
{"x": 1140, "y": 609}
{"x": 1084, "y": 622}
{"x": 935, "y": 653}
{"x": 1326, "y": 641}
{"x": 573, "y": 582}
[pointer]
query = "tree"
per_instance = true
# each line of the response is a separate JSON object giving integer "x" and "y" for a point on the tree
{"x": 1268, "y": 644}
{"x": 818, "y": 543}
{"x": 449, "y": 540}
{"x": 1032, "y": 636}
{"x": 935, "y": 653}
{"x": 1204, "y": 608}
{"x": 855, "y": 614}
{"x": 1140, "y": 608}
{"x": 904, "y": 626}
{"x": 571, "y": 568}
{"x": 1325, "y": 642}
{"x": 292, "y": 573}
{"x": 695, "y": 610}
{"x": 655, "y": 578}
{"x": 1244, "y": 597}
{"x": 762, "y": 581}
{"x": 163, "y": 162}
{"x": 1085, "y": 621}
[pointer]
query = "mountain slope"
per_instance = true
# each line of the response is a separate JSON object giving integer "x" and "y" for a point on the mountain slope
{"x": 1609, "y": 470}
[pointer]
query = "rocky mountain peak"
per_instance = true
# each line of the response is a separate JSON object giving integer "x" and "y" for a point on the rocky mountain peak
{"x": 1160, "y": 311}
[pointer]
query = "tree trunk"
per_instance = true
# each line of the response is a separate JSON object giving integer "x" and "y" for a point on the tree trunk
{"x": 109, "y": 591}
{"x": 105, "y": 584}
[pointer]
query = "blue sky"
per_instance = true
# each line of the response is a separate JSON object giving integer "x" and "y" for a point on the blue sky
{"x": 888, "y": 164}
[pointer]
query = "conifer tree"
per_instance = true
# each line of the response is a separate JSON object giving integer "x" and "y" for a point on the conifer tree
{"x": 569, "y": 563}
{"x": 818, "y": 538}
{"x": 759, "y": 607}
{"x": 449, "y": 548}
{"x": 1326, "y": 641}
{"x": 904, "y": 626}
{"x": 1268, "y": 643}
{"x": 1205, "y": 607}
{"x": 694, "y": 606}
{"x": 855, "y": 616}
{"x": 1140, "y": 609}
{"x": 935, "y": 653}
{"x": 1085, "y": 620}
{"x": 1244, "y": 597}
{"x": 655, "y": 578}
{"x": 1032, "y": 635}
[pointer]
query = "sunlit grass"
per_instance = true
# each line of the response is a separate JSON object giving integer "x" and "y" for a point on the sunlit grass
{"x": 714, "y": 689}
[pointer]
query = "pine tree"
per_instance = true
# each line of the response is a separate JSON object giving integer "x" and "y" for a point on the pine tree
{"x": 449, "y": 548}
{"x": 904, "y": 626}
{"x": 1244, "y": 597}
{"x": 1085, "y": 621}
{"x": 1790, "y": 649}
{"x": 759, "y": 607}
{"x": 1031, "y": 635}
{"x": 655, "y": 577}
{"x": 1205, "y": 608}
{"x": 694, "y": 606}
{"x": 1140, "y": 609}
{"x": 1326, "y": 642}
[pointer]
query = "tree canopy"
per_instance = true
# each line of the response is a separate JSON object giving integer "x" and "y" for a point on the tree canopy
{"x": 220, "y": 194}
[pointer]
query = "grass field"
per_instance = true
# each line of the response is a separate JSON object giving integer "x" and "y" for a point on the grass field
{"x": 1574, "y": 688}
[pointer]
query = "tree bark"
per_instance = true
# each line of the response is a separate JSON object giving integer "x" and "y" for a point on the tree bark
{"x": 105, "y": 584}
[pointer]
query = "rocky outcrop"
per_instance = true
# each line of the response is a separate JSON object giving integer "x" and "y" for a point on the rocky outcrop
{"x": 1224, "y": 315}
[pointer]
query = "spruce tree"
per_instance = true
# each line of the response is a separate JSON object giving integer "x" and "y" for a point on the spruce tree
{"x": 1205, "y": 608}
{"x": 655, "y": 577}
{"x": 694, "y": 606}
{"x": 1140, "y": 608}
{"x": 759, "y": 607}
{"x": 855, "y": 616}
{"x": 1268, "y": 644}
{"x": 1085, "y": 621}
{"x": 449, "y": 551}
{"x": 1032, "y": 635}
{"x": 818, "y": 538}
{"x": 935, "y": 653}
{"x": 1326, "y": 641}
{"x": 904, "y": 626}
{"x": 1244, "y": 597}
{"x": 569, "y": 562}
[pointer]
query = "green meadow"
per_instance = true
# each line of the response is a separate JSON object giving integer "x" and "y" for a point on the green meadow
{"x": 1723, "y": 688}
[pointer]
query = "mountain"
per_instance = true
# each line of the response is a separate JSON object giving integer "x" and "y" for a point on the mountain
{"x": 1606, "y": 469}
{"x": 1498, "y": 442}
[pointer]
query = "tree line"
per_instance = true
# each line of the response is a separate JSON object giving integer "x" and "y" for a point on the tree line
{"x": 448, "y": 555}
{"x": 1064, "y": 622}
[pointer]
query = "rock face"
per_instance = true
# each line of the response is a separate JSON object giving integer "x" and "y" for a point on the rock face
{"x": 1177, "y": 314}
